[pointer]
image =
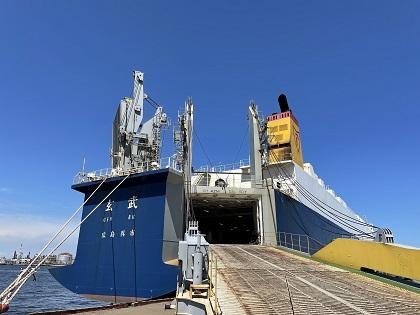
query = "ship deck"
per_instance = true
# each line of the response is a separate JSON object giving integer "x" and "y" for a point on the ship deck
{"x": 265, "y": 280}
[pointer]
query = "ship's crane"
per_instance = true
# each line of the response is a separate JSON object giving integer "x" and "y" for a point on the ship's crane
{"x": 136, "y": 145}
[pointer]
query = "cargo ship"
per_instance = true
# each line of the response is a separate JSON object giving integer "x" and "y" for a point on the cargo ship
{"x": 138, "y": 209}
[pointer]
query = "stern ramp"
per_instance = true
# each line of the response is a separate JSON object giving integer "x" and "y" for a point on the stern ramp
{"x": 255, "y": 279}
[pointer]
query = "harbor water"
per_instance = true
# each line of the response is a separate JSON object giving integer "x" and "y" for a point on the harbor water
{"x": 44, "y": 294}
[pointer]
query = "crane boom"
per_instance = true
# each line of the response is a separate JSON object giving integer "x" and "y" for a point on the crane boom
{"x": 136, "y": 144}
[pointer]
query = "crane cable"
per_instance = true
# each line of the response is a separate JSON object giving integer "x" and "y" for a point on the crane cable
{"x": 152, "y": 102}
{"x": 311, "y": 198}
{"x": 239, "y": 149}
{"x": 307, "y": 195}
{"x": 331, "y": 215}
{"x": 314, "y": 201}
{"x": 297, "y": 212}
{"x": 293, "y": 205}
{"x": 205, "y": 153}
{"x": 339, "y": 213}
{"x": 18, "y": 285}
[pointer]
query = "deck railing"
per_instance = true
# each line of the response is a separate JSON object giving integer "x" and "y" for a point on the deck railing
{"x": 83, "y": 177}
{"x": 223, "y": 167}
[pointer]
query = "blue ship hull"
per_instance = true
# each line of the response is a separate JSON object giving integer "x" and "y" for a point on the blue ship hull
{"x": 129, "y": 252}
{"x": 296, "y": 218}
{"x": 125, "y": 246}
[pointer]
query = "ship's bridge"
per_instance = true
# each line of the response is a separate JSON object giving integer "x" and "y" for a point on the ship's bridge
{"x": 227, "y": 201}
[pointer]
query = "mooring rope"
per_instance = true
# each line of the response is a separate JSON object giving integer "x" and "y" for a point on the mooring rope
{"x": 8, "y": 294}
{"x": 5, "y": 291}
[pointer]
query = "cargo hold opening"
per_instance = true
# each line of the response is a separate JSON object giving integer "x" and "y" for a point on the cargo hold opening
{"x": 227, "y": 221}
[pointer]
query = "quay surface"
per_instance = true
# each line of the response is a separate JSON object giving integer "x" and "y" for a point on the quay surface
{"x": 152, "y": 307}
{"x": 147, "y": 309}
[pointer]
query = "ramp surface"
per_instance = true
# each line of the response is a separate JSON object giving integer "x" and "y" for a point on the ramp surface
{"x": 265, "y": 280}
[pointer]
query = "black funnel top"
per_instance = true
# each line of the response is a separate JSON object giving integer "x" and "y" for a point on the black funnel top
{"x": 284, "y": 106}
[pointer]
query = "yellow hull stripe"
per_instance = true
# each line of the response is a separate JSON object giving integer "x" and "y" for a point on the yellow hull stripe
{"x": 387, "y": 258}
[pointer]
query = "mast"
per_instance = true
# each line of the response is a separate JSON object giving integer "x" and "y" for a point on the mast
{"x": 255, "y": 146}
{"x": 183, "y": 141}
{"x": 188, "y": 152}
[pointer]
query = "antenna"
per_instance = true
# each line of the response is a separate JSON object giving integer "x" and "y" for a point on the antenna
{"x": 83, "y": 165}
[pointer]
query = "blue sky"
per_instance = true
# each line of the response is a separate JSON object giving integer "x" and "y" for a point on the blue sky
{"x": 350, "y": 70}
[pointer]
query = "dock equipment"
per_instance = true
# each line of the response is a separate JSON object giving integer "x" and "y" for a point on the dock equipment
{"x": 264, "y": 280}
{"x": 193, "y": 283}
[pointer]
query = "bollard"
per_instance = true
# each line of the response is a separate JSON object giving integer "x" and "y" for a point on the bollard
{"x": 4, "y": 308}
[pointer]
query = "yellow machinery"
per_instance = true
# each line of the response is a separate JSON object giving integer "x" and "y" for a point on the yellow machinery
{"x": 284, "y": 135}
{"x": 387, "y": 258}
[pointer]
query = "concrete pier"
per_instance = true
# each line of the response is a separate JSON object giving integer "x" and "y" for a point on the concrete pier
{"x": 156, "y": 307}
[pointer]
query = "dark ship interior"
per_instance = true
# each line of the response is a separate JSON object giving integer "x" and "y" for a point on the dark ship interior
{"x": 227, "y": 221}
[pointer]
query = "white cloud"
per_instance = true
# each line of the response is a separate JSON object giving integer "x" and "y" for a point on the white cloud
{"x": 5, "y": 190}
{"x": 31, "y": 231}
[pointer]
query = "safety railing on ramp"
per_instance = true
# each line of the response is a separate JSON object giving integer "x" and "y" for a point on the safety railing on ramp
{"x": 294, "y": 241}
{"x": 213, "y": 276}
{"x": 298, "y": 242}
